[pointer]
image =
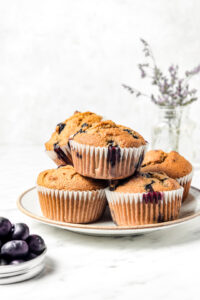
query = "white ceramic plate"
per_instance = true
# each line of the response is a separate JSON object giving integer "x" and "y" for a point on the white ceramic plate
{"x": 28, "y": 203}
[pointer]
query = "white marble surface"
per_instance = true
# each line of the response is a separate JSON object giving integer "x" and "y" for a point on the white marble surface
{"x": 160, "y": 265}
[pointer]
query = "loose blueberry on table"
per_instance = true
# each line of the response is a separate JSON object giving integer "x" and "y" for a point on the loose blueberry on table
{"x": 16, "y": 244}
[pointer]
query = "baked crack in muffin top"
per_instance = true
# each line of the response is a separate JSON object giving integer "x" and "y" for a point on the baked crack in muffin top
{"x": 172, "y": 163}
{"x": 107, "y": 133}
{"x": 148, "y": 182}
{"x": 66, "y": 178}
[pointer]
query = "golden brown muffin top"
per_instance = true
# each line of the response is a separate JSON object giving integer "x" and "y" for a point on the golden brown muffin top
{"x": 107, "y": 133}
{"x": 70, "y": 126}
{"x": 148, "y": 182}
{"x": 66, "y": 178}
{"x": 172, "y": 163}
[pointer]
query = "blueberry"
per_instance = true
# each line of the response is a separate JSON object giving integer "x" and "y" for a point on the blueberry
{"x": 131, "y": 133}
{"x": 114, "y": 155}
{"x": 79, "y": 131}
{"x": 147, "y": 175}
{"x": 149, "y": 197}
{"x": 145, "y": 198}
{"x": 31, "y": 256}
{"x": 15, "y": 249}
{"x": 141, "y": 158}
{"x": 163, "y": 179}
{"x": 5, "y": 227}
{"x": 16, "y": 261}
{"x": 61, "y": 154}
{"x": 20, "y": 231}
{"x": 155, "y": 197}
{"x": 36, "y": 243}
{"x": 113, "y": 184}
{"x": 78, "y": 155}
{"x": 61, "y": 126}
{"x": 84, "y": 125}
{"x": 148, "y": 187}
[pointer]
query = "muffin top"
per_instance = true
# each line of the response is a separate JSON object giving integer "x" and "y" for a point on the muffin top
{"x": 70, "y": 126}
{"x": 148, "y": 182}
{"x": 172, "y": 163}
{"x": 107, "y": 133}
{"x": 66, "y": 178}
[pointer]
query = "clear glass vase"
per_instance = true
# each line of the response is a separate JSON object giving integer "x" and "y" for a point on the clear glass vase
{"x": 175, "y": 130}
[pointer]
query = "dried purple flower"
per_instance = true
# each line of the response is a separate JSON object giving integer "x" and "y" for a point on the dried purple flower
{"x": 195, "y": 71}
{"x": 142, "y": 69}
{"x": 173, "y": 91}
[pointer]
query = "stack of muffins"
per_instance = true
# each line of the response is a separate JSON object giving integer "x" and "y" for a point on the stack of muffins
{"x": 100, "y": 162}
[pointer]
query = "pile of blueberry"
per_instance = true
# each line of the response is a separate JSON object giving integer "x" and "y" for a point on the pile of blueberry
{"x": 16, "y": 244}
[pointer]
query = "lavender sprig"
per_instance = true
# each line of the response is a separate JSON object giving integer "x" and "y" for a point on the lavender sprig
{"x": 195, "y": 71}
{"x": 133, "y": 91}
{"x": 172, "y": 90}
{"x": 147, "y": 51}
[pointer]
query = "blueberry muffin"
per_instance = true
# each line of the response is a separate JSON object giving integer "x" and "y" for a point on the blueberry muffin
{"x": 66, "y": 196}
{"x": 173, "y": 164}
{"x": 107, "y": 151}
{"x": 145, "y": 198}
{"x": 57, "y": 147}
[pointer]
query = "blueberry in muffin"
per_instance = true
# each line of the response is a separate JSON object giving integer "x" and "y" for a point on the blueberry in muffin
{"x": 173, "y": 164}
{"x": 58, "y": 145}
{"x": 107, "y": 151}
{"x": 145, "y": 198}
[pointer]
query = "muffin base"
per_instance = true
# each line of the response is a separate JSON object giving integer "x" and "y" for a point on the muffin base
{"x": 185, "y": 182}
{"x": 72, "y": 206}
{"x": 62, "y": 157}
{"x": 100, "y": 163}
{"x": 128, "y": 209}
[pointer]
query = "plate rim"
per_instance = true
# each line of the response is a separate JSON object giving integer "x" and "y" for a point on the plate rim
{"x": 99, "y": 227}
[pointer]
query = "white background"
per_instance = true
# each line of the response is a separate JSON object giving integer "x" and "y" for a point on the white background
{"x": 61, "y": 56}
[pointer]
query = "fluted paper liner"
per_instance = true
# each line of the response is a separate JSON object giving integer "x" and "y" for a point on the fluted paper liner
{"x": 57, "y": 159}
{"x": 72, "y": 206}
{"x": 185, "y": 182}
{"x": 93, "y": 161}
{"x": 129, "y": 209}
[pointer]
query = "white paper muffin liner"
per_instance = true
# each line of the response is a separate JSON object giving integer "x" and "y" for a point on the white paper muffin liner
{"x": 57, "y": 159}
{"x": 185, "y": 182}
{"x": 72, "y": 206}
{"x": 128, "y": 209}
{"x": 94, "y": 162}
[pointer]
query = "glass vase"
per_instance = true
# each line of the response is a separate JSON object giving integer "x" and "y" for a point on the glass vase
{"x": 175, "y": 130}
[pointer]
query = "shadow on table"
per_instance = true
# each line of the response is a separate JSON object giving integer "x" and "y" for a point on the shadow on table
{"x": 49, "y": 268}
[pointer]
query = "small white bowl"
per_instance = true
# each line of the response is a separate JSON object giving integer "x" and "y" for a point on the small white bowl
{"x": 22, "y": 271}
